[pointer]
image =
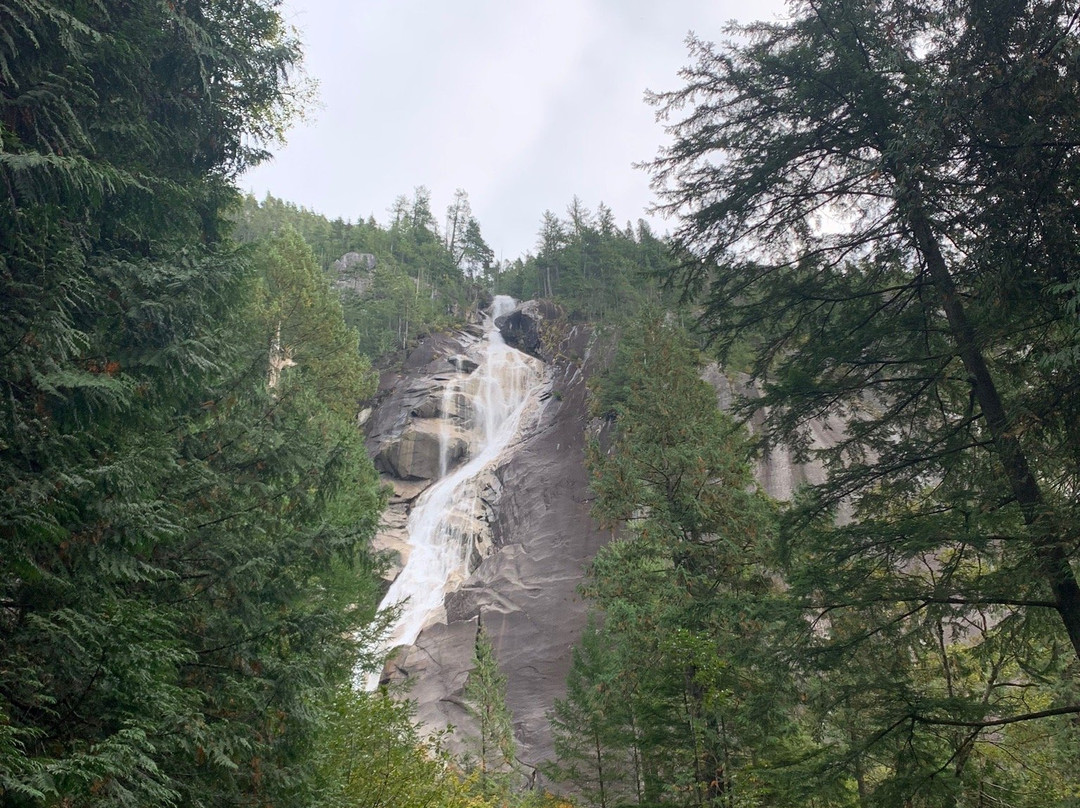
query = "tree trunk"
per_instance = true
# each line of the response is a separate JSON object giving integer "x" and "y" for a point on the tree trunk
{"x": 1047, "y": 544}
{"x": 599, "y": 768}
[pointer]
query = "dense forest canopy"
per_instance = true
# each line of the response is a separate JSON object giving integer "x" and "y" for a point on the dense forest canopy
{"x": 184, "y": 535}
{"x": 424, "y": 277}
{"x": 877, "y": 222}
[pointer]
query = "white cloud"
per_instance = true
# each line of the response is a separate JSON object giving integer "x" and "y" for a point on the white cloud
{"x": 523, "y": 104}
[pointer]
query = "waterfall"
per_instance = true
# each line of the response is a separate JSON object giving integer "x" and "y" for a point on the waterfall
{"x": 441, "y": 525}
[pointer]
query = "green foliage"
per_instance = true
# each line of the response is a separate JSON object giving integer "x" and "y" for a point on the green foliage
{"x": 307, "y": 327}
{"x": 485, "y": 699}
{"x": 877, "y": 213}
{"x": 592, "y": 268}
{"x": 592, "y": 727}
{"x": 370, "y": 752}
{"x": 680, "y": 697}
{"x": 421, "y": 283}
{"x": 182, "y": 552}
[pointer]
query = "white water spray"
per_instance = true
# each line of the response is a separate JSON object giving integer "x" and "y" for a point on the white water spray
{"x": 440, "y": 527}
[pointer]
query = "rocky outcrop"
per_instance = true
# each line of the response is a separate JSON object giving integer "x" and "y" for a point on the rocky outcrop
{"x": 418, "y": 452}
{"x": 533, "y": 327}
{"x": 353, "y": 270}
{"x": 404, "y": 429}
{"x": 528, "y": 590}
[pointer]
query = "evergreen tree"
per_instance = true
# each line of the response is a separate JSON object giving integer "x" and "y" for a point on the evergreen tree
{"x": 416, "y": 286}
{"x": 688, "y": 598}
{"x": 181, "y": 547}
{"x": 589, "y": 266}
{"x": 592, "y": 727}
{"x": 874, "y": 202}
{"x": 485, "y": 699}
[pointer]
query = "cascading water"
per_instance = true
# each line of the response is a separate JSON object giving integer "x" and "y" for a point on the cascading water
{"x": 498, "y": 392}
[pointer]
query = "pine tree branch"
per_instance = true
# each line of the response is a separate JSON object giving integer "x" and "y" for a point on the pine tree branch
{"x": 1071, "y": 709}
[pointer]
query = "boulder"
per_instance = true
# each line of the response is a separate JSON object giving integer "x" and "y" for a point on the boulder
{"x": 531, "y": 328}
{"x": 417, "y": 453}
{"x": 355, "y": 261}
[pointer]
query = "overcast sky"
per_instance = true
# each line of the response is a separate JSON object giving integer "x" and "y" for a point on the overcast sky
{"x": 523, "y": 103}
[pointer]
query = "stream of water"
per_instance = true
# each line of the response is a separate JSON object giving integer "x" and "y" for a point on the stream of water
{"x": 441, "y": 524}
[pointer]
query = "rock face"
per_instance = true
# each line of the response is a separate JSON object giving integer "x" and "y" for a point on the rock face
{"x": 404, "y": 428}
{"x": 778, "y": 471}
{"x": 527, "y": 592}
{"x": 417, "y": 454}
{"x": 353, "y": 271}
{"x": 532, "y": 327}
{"x": 534, "y": 535}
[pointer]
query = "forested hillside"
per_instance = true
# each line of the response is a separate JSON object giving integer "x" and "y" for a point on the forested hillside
{"x": 596, "y": 270}
{"x": 417, "y": 278}
{"x": 876, "y": 238}
{"x": 426, "y": 277}
{"x": 877, "y": 207}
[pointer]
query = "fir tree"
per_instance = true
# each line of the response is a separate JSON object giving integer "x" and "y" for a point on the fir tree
{"x": 874, "y": 201}
{"x": 485, "y": 699}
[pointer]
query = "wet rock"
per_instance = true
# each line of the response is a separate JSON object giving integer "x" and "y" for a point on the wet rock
{"x": 457, "y": 407}
{"x": 532, "y": 328}
{"x": 438, "y": 670}
{"x": 417, "y": 453}
{"x": 526, "y": 587}
{"x": 778, "y": 471}
{"x": 463, "y": 363}
{"x": 531, "y": 539}
{"x": 404, "y": 491}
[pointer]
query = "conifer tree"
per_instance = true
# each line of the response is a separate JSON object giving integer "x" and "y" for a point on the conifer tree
{"x": 485, "y": 699}
{"x": 874, "y": 201}
{"x": 592, "y": 726}
{"x": 370, "y": 752}
{"x": 687, "y": 592}
{"x": 181, "y": 547}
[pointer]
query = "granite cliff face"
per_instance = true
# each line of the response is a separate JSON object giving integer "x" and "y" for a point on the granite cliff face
{"x": 531, "y": 534}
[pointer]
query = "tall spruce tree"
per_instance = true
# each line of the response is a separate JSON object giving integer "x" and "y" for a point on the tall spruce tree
{"x": 687, "y": 595}
{"x": 877, "y": 199}
{"x": 485, "y": 699}
{"x": 179, "y": 544}
{"x": 592, "y": 726}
